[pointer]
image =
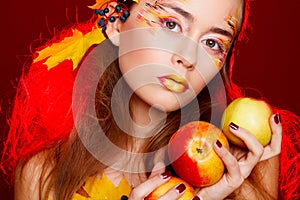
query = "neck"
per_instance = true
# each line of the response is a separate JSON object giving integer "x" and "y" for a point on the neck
{"x": 147, "y": 119}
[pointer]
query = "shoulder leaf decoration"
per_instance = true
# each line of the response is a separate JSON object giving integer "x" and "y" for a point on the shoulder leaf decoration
{"x": 102, "y": 188}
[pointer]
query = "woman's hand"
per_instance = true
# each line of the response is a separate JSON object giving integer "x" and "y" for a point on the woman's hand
{"x": 158, "y": 177}
{"x": 240, "y": 162}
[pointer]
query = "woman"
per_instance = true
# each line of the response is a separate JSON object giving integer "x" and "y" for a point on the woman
{"x": 167, "y": 52}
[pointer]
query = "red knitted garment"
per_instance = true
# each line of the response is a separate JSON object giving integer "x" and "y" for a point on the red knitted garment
{"x": 42, "y": 118}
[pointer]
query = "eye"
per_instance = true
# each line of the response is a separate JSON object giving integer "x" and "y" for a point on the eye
{"x": 171, "y": 25}
{"x": 214, "y": 45}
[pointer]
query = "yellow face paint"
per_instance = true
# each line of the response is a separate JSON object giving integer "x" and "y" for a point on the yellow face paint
{"x": 218, "y": 62}
{"x": 232, "y": 22}
{"x": 148, "y": 15}
{"x": 153, "y": 18}
{"x": 156, "y": 16}
{"x": 219, "y": 59}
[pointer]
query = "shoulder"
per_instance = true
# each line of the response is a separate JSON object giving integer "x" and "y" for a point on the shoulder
{"x": 31, "y": 176}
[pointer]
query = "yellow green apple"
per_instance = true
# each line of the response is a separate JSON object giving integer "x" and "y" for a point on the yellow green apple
{"x": 251, "y": 114}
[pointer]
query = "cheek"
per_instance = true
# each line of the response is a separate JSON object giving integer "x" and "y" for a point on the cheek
{"x": 149, "y": 58}
{"x": 197, "y": 83}
{"x": 200, "y": 78}
{"x": 129, "y": 61}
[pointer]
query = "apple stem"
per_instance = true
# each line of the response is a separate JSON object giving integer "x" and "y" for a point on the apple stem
{"x": 199, "y": 150}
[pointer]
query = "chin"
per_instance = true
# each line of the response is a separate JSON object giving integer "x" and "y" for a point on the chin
{"x": 162, "y": 99}
{"x": 167, "y": 108}
{"x": 167, "y": 102}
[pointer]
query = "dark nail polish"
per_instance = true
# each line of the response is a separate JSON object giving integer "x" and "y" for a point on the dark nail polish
{"x": 124, "y": 197}
{"x": 165, "y": 175}
{"x": 219, "y": 144}
{"x": 180, "y": 188}
{"x": 277, "y": 118}
{"x": 196, "y": 198}
{"x": 234, "y": 126}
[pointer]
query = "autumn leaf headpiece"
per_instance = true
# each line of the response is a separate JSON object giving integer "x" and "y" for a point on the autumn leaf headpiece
{"x": 73, "y": 46}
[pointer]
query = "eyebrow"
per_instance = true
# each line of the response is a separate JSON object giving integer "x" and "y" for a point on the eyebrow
{"x": 221, "y": 31}
{"x": 179, "y": 10}
{"x": 190, "y": 17}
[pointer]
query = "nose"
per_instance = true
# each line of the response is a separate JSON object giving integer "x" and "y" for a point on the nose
{"x": 178, "y": 60}
{"x": 186, "y": 54}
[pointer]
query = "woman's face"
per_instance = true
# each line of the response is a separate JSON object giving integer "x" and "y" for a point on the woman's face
{"x": 171, "y": 49}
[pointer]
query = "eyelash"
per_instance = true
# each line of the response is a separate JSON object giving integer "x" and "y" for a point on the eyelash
{"x": 164, "y": 20}
{"x": 220, "y": 47}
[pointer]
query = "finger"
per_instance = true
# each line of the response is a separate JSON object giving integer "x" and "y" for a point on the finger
{"x": 229, "y": 182}
{"x": 158, "y": 168}
{"x": 274, "y": 148}
{"x": 174, "y": 193}
{"x": 144, "y": 189}
{"x": 238, "y": 152}
{"x": 233, "y": 176}
{"x": 253, "y": 145}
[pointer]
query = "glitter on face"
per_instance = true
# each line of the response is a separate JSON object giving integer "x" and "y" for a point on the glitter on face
{"x": 155, "y": 15}
{"x": 232, "y": 21}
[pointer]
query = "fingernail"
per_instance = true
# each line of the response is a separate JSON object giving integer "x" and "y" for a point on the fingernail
{"x": 195, "y": 198}
{"x": 234, "y": 126}
{"x": 180, "y": 188}
{"x": 124, "y": 197}
{"x": 277, "y": 118}
{"x": 219, "y": 144}
{"x": 165, "y": 175}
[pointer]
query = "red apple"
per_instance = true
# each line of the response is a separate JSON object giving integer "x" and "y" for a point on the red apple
{"x": 161, "y": 190}
{"x": 192, "y": 155}
{"x": 251, "y": 114}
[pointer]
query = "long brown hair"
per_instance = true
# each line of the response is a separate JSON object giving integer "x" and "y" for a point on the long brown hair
{"x": 66, "y": 178}
{"x": 71, "y": 163}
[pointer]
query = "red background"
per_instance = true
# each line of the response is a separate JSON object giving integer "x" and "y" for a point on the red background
{"x": 269, "y": 62}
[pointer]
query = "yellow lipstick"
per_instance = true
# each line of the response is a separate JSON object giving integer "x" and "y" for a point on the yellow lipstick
{"x": 174, "y": 83}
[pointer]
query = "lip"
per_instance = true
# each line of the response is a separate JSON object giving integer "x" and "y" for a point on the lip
{"x": 174, "y": 83}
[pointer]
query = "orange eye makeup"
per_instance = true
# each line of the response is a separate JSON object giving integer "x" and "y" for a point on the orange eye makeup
{"x": 232, "y": 22}
{"x": 154, "y": 15}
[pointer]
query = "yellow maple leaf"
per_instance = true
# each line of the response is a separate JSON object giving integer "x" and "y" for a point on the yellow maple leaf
{"x": 70, "y": 48}
{"x": 73, "y": 47}
{"x": 102, "y": 188}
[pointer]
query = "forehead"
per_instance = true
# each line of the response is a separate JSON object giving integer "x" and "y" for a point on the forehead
{"x": 209, "y": 11}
